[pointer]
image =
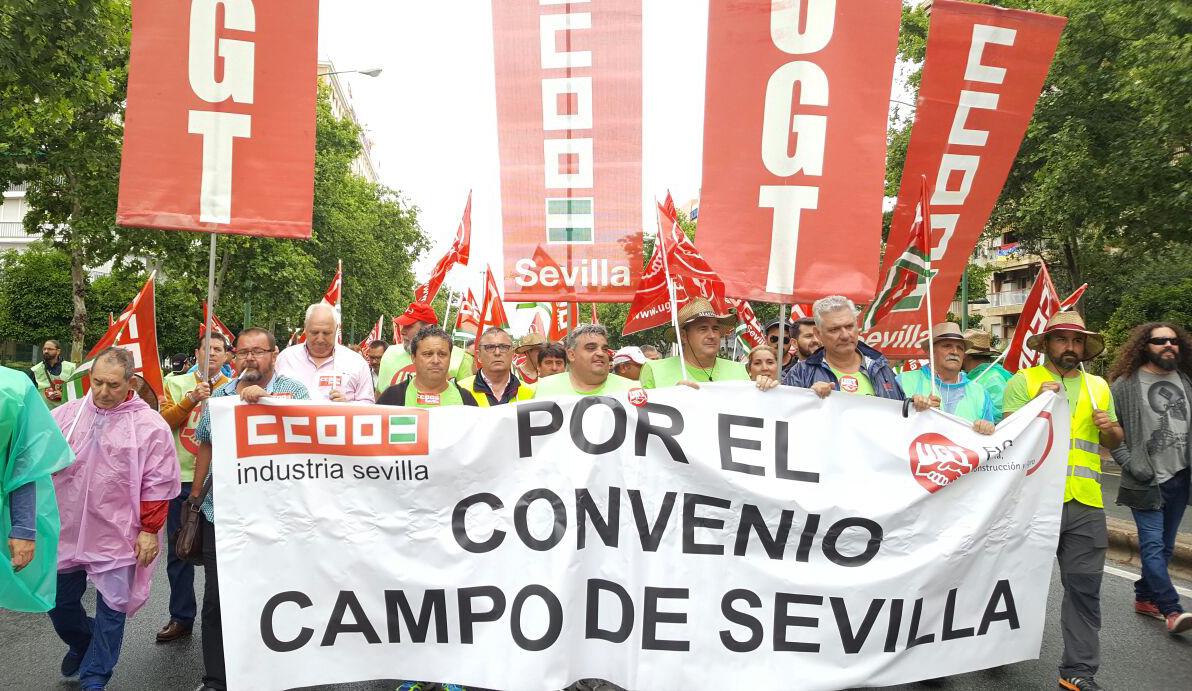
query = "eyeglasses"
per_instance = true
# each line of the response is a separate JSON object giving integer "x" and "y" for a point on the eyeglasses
{"x": 1162, "y": 341}
{"x": 255, "y": 352}
{"x": 497, "y": 347}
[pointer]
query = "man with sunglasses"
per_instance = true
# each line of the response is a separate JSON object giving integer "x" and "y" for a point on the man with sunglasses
{"x": 1152, "y": 387}
{"x": 495, "y": 383}
{"x": 256, "y": 357}
{"x": 774, "y": 333}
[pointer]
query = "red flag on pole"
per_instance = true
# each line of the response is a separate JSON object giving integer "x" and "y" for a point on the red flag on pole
{"x": 1041, "y": 303}
{"x": 492, "y": 310}
{"x": 468, "y": 317}
{"x": 218, "y": 326}
{"x": 134, "y": 330}
{"x": 564, "y": 316}
{"x": 536, "y": 326}
{"x": 459, "y": 251}
{"x": 753, "y": 333}
{"x": 913, "y": 266}
{"x": 375, "y": 335}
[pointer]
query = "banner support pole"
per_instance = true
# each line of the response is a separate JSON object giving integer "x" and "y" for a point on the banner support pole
{"x": 210, "y": 310}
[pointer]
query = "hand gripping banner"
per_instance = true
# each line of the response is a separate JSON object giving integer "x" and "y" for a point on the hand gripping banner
{"x": 569, "y": 133}
{"x": 669, "y": 539}
{"x": 219, "y": 133}
{"x": 984, "y": 70}
{"x": 795, "y": 146}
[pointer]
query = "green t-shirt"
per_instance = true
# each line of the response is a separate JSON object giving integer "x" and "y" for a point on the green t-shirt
{"x": 449, "y": 397}
{"x": 560, "y": 385}
{"x": 853, "y": 383}
{"x": 669, "y": 372}
{"x": 1017, "y": 394}
{"x": 397, "y": 366}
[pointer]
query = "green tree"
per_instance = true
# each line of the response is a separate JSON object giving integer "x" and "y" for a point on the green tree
{"x": 35, "y": 293}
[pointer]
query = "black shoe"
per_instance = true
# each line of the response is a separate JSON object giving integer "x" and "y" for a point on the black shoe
{"x": 1079, "y": 684}
{"x": 70, "y": 663}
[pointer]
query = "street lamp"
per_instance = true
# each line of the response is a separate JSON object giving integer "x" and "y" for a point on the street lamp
{"x": 374, "y": 72}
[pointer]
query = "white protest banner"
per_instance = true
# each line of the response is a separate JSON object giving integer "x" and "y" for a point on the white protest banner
{"x": 663, "y": 539}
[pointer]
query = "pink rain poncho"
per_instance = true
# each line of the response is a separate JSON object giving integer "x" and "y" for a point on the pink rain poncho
{"x": 124, "y": 455}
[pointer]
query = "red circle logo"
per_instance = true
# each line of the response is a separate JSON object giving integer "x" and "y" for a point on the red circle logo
{"x": 637, "y": 396}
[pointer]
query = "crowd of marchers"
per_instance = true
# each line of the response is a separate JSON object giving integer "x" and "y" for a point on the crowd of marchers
{"x": 121, "y": 465}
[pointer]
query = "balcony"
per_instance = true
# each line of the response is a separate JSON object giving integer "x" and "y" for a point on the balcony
{"x": 14, "y": 229}
{"x": 16, "y": 190}
{"x": 1007, "y": 298}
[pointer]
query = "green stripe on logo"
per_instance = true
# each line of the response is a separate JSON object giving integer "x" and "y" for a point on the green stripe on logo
{"x": 569, "y": 206}
{"x": 403, "y": 429}
{"x": 569, "y": 235}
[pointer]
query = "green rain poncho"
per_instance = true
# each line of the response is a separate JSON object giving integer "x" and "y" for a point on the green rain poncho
{"x": 31, "y": 449}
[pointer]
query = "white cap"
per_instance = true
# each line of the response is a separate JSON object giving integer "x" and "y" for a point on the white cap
{"x": 628, "y": 354}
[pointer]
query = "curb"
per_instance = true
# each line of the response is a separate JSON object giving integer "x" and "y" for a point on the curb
{"x": 1123, "y": 547}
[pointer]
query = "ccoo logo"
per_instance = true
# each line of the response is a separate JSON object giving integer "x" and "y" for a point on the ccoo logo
{"x": 937, "y": 462}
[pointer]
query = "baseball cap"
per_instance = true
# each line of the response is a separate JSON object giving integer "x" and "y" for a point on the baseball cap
{"x": 629, "y": 354}
{"x": 418, "y": 312}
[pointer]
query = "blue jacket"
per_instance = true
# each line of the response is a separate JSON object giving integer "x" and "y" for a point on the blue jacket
{"x": 875, "y": 365}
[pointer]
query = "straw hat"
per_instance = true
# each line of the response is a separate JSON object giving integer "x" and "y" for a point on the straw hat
{"x": 982, "y": 342}
{"x": 700, "y": 308}
{"x": 945, "y": 331}
{"x": 1094, "y": 343}
{"x": 529, "y": 342}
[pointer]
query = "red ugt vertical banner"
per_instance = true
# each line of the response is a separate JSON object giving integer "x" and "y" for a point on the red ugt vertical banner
{"x": 795, "y": 145}
{"x": 220, "y": 127}
{"x": 569, "y": 116}
{"x": 983, "y": 72}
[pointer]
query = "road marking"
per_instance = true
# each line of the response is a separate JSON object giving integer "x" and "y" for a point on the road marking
{"x": 1121, "y": 573}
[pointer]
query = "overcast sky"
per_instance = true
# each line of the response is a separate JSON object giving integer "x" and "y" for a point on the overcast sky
{"x": 432, "y": 112}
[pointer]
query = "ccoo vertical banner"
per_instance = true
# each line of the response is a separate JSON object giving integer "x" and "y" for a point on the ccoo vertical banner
{"x": 569, "y": 116}
{"x": 983, "y": 72}
{"x": 220, "y": 126}
{"x": 795, "y": 145}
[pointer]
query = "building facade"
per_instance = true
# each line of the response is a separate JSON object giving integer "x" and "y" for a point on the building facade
{"x": 341, "y": 107}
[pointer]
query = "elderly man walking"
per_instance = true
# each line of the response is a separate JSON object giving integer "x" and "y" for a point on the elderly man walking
{"x": 844, "y": 363}
{"x": 1152, "y": 387}
{"x": 1083, "y": 536}
{"x": 113, "y": 502}
{"x": 328, "y": 370}
{"x": 496, "y": 383}
{"x": 31, "y": 449}
{"x": 701, "y": 330}
{"x": 49, "y": 374}
{"x": 956, "y": 394}
{"x": 589, "y": 368}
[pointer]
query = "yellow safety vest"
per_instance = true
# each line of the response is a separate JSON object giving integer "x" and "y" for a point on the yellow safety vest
{"x": 1084, "y": 451}
{"x": 524, "y": 392}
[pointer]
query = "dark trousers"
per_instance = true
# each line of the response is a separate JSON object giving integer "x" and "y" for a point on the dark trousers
{"x": 180, "y": 573}
{"x": 1156, "y": 543}
{"x": 1081, "y": 552}
{"x": 96, "y": 639}
{"x": 211, "y": 623}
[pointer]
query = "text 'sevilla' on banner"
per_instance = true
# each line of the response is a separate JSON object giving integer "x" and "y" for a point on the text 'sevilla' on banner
{"x": 220, "y": 126}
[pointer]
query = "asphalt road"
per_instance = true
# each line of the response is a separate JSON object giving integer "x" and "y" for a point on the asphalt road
{"x": 1137, "y": 655}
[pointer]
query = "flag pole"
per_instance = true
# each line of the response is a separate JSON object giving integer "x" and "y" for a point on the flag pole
{"x": 1088, "y": 386}
{"x": 447, "y": 310}
{"x": 210, "y": 310}
{"x": 673, "y": 301}
{"x": 781, "y": 336}
{"x": 930, "y": 340}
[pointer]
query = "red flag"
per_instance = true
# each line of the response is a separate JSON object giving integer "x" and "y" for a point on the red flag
{"x": 564, "y": 316}
{"x": 134, "y": 330}
{"x": 468, "y": 317}
{"x": 492, "y": 310}
{"x": 396, "y": 332}
{"x": 1041, "y": 303}
{"x": 595, "y": 319}
{"x": 801, "y": 311}
{"x": 1071, "y": 300}
{"x": 912, "y": 266}
{"x": 216, "y": 325}
{"x": 536, "y": 326}
{"x": 460, "y": 249}
{"x": 753, "y": 333}
{"x": 984, "y": 69}
{"x": 376, "y": 334}
{"x": 912, "y": 365}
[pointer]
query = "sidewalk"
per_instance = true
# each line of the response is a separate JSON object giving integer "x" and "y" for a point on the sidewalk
{"x": 1123, "y": 535}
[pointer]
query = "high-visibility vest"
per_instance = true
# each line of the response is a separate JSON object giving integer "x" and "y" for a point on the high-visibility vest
{"x": 524, "y": 392}
{"x": 43, "y": 380}
{"x": 1084, "y": 450}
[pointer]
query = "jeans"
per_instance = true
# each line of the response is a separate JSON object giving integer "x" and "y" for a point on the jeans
{"x": 180, "y": 573}
{"x": 212, "y": 622}
{"x": 1156, "y": 542}
{"x": 96, "y": 639}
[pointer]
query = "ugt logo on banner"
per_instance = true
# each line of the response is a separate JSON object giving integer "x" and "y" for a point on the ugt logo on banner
{"x": 208, "y": 145}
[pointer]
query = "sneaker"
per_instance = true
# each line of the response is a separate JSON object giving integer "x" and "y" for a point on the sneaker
{"x": 1148, "y": 609}
{"x": 70, "y": 663}
{"x": 412, "y": 686}
{"x": 1079, "y": 684}
{"x": 1179, "y": 622}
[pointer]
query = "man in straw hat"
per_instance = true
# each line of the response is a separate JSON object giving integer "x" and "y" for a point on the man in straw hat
{"x": 979, "y": 359}
{"x": 700, "y": 332}
{"x": 1067, "y": 344}
{"x": 957, "y": 393}
{"x": 526, "y": 364}
{"x": 844, "y": 363}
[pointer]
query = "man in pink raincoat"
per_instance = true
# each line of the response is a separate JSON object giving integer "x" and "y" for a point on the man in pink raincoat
{"x": 113, "y": 502}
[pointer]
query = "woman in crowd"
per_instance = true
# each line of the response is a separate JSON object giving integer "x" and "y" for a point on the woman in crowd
{"x": 763, "y": 360}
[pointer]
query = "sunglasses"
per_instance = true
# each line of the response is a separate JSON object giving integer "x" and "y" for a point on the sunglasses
{"x": 1163, "y": 341}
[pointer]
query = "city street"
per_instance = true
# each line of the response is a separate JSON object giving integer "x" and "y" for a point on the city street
{"x": 1137, "y": 654}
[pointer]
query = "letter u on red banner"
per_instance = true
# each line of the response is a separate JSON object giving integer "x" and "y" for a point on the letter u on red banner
{"x": 569, "y": 110}
{"x": 795, "y": 145}
{"x": 220, "y": 126}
